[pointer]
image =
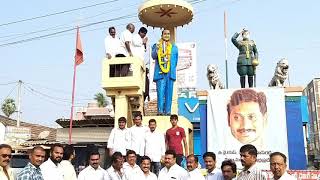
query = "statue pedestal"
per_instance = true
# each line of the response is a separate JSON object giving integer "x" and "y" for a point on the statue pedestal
{"x": 125, "y": 91}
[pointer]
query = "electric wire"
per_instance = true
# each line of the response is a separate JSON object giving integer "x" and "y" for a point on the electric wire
{"x": 89, "y": 30}
{"x": 64, "y": 100}
{"x": 8, "y": 83}
{"x": 56, "y": 13}
{"x": 61, "y": 26}
{"x": 67, "y": 30}
{"x": 45, "y": 99}
{"x": 57, "y": 90}
{"x": 10, "y": 92}
{"x": 73, "y": 28}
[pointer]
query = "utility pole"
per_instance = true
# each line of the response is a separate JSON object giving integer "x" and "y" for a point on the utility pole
{"x": 19, "y": 103}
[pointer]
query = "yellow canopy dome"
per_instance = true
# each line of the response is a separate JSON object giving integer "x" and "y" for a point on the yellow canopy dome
{"x": 165, "y": 13}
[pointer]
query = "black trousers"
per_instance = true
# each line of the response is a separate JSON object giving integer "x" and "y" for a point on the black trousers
{"x": 179, "y": 159}
{"x": 138, "y": 159}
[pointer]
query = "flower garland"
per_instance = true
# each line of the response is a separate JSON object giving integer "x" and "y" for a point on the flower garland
{"x": 162, "y": 55}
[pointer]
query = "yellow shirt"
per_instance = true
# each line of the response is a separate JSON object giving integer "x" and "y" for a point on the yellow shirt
{"x": 3, "y": 175}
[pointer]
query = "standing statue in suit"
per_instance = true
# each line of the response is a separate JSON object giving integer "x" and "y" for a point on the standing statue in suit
{"x": 247, "y": 59}
{"x": 165, "y": 55}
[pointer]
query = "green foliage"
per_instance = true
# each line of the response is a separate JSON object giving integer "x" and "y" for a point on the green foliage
{"x": 101, "y": 99}
{"x": 8, "y": 107}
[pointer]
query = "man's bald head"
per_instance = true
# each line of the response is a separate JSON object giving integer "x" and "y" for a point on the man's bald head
{"x": 130, "y": 27}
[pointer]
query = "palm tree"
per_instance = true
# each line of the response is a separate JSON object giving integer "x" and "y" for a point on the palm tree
{"x": 101, "y": 99}
{"x": 8, "y": 107}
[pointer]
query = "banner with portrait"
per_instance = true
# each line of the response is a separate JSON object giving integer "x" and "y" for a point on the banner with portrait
{"x": 236, "y": 117}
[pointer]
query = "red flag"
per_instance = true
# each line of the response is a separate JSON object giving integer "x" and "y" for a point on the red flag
{"x": 79, "y": 54}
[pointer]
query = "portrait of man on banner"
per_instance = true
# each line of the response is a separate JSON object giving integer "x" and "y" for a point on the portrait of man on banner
{"x": 236, "y": 117}
{"x": 247, "y": 116}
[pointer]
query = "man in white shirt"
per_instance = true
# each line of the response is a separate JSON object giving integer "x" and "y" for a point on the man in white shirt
{"x": 67, "y": 167}
{"x": 278, "y": 166}
{"x": 117, "y": 140}
{"x": 126, "y": 40}
{"x": 131, "y": 169}
{"x": 145, "y": 170}
{"x": 139, "y": 43}
{"x": 125, "y": 49}
{"x": 172, "y": 170}
{"x": 51, "y": 169}
{"x": 5, "y": 157}
{"x": 112, "y": 43}
{"x": 192, "y": 166}
{"x": 115, "y": 171}
{"x": 93, "y": 171}
{"x": 136, "y": 137}
{"x": 154, "y": 146}
{"x": 212, "y": 172}
{"x": 229, "y": 169}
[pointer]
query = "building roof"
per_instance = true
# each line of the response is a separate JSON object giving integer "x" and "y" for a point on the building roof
{"x": 36, "y": 129}
{"x": 43, "y": 142}
{"x": 85, "y": 135}
{"x": 94, "y": 121}
{"x": 90, "y": 116}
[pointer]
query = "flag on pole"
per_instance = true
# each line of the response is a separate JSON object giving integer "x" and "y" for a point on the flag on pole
{"x": 78, "y": 59}
{"x": 79, "y": 54}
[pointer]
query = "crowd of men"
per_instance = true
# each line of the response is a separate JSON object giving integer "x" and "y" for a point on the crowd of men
{"x": 139, "y": 153}
{"x": 148, "y": 141}
{"x": 128, "y": 44}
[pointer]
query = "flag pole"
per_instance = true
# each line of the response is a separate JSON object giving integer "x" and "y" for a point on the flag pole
{"x": 78, "y": 59}
{"x": 72, "y": 101}
{"x": 225, "y": 47}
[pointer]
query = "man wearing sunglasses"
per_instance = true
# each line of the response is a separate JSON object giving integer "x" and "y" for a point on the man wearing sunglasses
{"x": 5, "y": 157}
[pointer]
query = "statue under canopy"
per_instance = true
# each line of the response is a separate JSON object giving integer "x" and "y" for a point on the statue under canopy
{"x": 165, "y": 55}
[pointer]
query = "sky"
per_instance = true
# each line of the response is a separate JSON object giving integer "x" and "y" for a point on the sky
{"x": 35, "y": 49}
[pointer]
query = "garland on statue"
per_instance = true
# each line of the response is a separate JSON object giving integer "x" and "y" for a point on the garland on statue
{"x": 164, "y": 55}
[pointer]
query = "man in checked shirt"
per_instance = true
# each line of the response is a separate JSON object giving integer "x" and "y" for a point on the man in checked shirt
{"x": 32, "y": 170}
{"x": 251, "y": 171}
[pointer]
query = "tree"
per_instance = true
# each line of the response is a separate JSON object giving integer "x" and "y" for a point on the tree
{"x": 8, "y": 107}
{"x": 101, "y": 99}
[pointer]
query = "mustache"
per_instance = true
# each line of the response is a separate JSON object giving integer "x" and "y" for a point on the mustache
{"x": 245, "y": 130}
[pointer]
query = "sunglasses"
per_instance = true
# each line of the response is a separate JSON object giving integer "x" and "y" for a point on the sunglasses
{"x": 6, "y": 155}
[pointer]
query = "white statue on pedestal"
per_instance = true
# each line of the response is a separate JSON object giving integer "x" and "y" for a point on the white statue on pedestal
{"x": 280, "y": 74}
{"x": 213, "y": 77}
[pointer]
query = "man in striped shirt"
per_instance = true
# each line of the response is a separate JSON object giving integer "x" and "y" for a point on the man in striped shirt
{"x": 251, "y": 171}
{"x": 32, "y": 170}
